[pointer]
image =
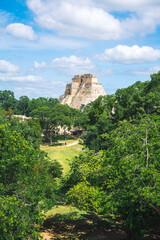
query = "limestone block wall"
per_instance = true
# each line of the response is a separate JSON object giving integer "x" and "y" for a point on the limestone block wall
{"x": 86, "y": 78}
{"x": 74, "y": 88}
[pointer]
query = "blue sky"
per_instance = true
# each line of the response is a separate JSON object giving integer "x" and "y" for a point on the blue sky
{"x": 44, "y": 43}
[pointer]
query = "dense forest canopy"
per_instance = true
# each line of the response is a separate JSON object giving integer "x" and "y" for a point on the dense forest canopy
{"x": 118, "y": 172}
{"x": 27, "y": 179}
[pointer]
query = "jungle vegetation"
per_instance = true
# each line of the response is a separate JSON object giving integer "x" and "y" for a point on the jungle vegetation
{"x": 117, "y": 174}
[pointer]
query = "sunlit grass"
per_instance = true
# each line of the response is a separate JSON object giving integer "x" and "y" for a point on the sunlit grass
{"x": 63, "y": 154}
{"x": 65, "y": 210}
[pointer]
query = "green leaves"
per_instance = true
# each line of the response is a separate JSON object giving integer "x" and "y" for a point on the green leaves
{"x": 52, "y": 116}
{"x": 27, "y": 185}
{"x": 7, "y": 100}
{"x": 15, "y": 222}
{"x": 85, "y": 196}
{"x": 124, "y": 178}
{"x": 104, "y": 114}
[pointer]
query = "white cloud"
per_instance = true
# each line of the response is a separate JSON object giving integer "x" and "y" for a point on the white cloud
{"x": 45, "y": 89}
{"x": 123, "y": 5}
{"x": 75, "y": 20}
{"x": 24, "y": 83}
{"x": 11, "y": 72}
{"x": 73, "y": 65}
{"x": 95, "y": 19}
{"x": 38, "y": 65}
{"x": 128, "y": 55}
{"x": 47, "y": 41}
{"x": 6, "y": 66}
{"x": 19, "y": 77}
{"x": 148, "y": 71}
{"x": 50, "y": 41}
{"x": 21, "y": 31}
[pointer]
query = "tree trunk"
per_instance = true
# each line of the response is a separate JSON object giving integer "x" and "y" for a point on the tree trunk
{"x": 51, "y": 140}
{"x": 131, "y": 235}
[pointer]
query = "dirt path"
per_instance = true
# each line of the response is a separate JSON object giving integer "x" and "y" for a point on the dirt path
{"x": 71, "y": 144}
{"x": 61, "y": 146}
{"x": 88, "y": 228}
{"x": 85, "y": 230}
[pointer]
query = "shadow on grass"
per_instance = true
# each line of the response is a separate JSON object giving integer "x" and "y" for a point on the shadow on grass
{"x": 89, "y": 226}
{"x": 82, "y": 226}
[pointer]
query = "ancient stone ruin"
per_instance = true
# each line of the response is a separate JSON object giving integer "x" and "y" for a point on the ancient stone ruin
{"x": 82, "y": 90}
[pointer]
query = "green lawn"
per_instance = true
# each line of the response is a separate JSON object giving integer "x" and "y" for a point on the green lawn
{"x": 63, "y": 154}
{"x": 65, "y": 210}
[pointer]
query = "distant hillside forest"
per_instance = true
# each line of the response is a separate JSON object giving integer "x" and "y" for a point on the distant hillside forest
{"x": 117, "y": 174}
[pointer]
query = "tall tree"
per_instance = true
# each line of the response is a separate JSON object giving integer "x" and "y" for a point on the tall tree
{"x": 53, "y": 117}
{"x": 22, "y": 105}
{"x": 7, "y": 100}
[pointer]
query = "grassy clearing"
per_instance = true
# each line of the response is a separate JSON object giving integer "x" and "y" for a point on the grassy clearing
{"x": 63, "y": 153}
{"x": 64, "y": 210}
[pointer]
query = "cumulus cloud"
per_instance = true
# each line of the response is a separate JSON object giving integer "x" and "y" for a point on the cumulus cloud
{"x": 44, "y": 89}
{"x": 50, "y": 41}
{"x": 75, "y": 20}
{"x": 148, "y": 71}
{"x": 19, "y": 77}
{"x": 123, "y": 5}
{"x": 47, "y": 41}
{"x": 24, "y": 83}
{"x": 11, "y": 72}
{"x": 128, "y": 55}
{"x": 38, "y": 65}
{"x": 21, "y": 31}
{"x": 6, "y": 66}
{"x": 73, "y": 65}
{"x": 95, "y": 19}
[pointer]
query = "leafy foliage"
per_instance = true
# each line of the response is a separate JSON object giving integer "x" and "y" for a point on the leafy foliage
{"x": 52, "y": 116}
{"x": 124, "y": 178}
{"x": 27, "y": 184}
{"x": 7, "y": 100}
{"x": 22, "y": 105}
{"x": 118, "y": 173}
{"x": 104, "y": 114}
